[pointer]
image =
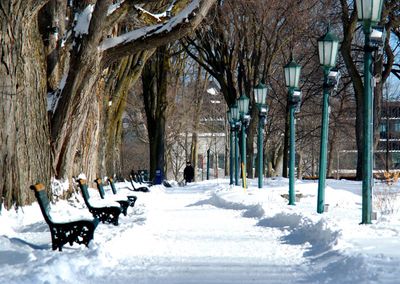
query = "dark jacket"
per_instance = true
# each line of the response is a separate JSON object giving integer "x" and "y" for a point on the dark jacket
{"x": 188, "y": 173}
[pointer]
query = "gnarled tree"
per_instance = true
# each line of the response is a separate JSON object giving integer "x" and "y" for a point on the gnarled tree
{"x": 92, "y": 42}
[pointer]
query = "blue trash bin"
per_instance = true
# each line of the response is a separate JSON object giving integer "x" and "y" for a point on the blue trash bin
{"x": 158, "y": 177}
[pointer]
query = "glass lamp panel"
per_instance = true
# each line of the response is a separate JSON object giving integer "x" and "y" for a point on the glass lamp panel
{"x": 328, "y": 53}
{"x": 260, "y": 93}
{"x": 369, "y": 10}
{"x": 263, "y": 96}
{"x": 243, "y": 104}
{"x": 321, "y": 51}
{"x": 363, "y": 9}
{"x": 376, "y": 10}
{"x": 257, "y": 95}
{"x": 292, "y": 74}
{"x": 246, "y": 105}
{"x": 327, "y": 48}
{"x": 335, "y": 48}
{"x": 240, "y": 105}
{"x": 287, "y": 77}
{"x": 296, "y": 77}
{"x": 229, "y": 115}
{"x": 235, "y": 113}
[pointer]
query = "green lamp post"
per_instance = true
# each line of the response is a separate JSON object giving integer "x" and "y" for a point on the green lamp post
{"x": 292, "y": 77}
{"x": 328, "y": 46}
{"x": 208, "y": 164}
{"x": 243, "y": 104}
{"x": 260, "y": 95}
{"x": 369, "y": 12}
{"x": 231, "y": 158}
{"x": 235, "y": 117}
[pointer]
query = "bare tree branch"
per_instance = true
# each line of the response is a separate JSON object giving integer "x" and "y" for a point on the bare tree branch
{"x": 159, "y": 35}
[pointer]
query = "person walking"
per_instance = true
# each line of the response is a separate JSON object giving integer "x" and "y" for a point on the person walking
{"x": 188, "y": 172}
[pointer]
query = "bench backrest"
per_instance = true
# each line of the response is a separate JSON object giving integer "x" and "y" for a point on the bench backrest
{"x": 134, "y": 177}
{"x": 43, "y": 201}
{"x": 111, "y": 182}
{"x": 144, "y": 175}
{"x": 85, "y": 193}
{"x": 100, "y": 187}
{"x": 132, "y": 180}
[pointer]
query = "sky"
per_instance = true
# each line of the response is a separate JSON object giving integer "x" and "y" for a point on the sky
{"x": 211, "y": 232}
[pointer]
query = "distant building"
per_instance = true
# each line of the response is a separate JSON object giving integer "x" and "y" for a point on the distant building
{"x": 387, "y": 154}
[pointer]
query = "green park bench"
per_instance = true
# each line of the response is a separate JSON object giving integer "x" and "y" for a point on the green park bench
{"x": 131, "y": 198}
{"x": 143, "y": 177}
{"x": 78, "y": 231}
{"x": 106, "y": 212}
{"x": 123, "y": 202}
{"x": 141, "y": 188}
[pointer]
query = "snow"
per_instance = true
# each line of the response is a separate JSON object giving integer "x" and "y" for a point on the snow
{"x": 54, "y": 97}
{"x": 83, "y": 21}
{"x": 115, "y": 6}
{"x": 211, "y": 232}
{"x": 147, "y": 31}
{"x": 155, "y": 16}
{"x": 127, "y": 37}
{"x": 182, "y": 17}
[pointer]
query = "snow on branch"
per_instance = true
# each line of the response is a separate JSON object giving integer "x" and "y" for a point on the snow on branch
{"x": 147, "y": 31}
{"x": 83, "y": 20}
{"x": 183, "y": 17}
{"x": 114, "y": 7}
{"x": 160, "y": 16}
{"x": 154, "y": 17}
{"x": 156, "y": 35}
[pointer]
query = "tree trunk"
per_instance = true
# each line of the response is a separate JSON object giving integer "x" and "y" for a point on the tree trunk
{"x": 119, "y": 80}
{"x": 331, "y": 152}
{"x": 300, "y": 168}
{"x": 227, "y": 152}
{"x": 24, "y": 142}
{"x": 198, "y": 105}
{"x": 79, "y": 98}
{"x": 251, "y": 133}
{"x": 193, "y": 152}
{"x": 85, "y": 157}
{"x": 154, "y": 81}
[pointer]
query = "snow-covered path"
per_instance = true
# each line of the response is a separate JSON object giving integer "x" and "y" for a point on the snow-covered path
{"x": 210, "y": 233}
{"x": 192, "y": 241}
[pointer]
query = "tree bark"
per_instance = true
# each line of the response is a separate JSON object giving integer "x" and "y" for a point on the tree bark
{"x": 251, "y": 133}
{"x": 87, "y": 64}
{"x": 154, "y": 82}
{"x": 26, "y": 153}
{"x": 119, "y": 80}
{"x": 200, "y": 87}
{"x": 24, "y": 142}
{"x": 300, "y": 165}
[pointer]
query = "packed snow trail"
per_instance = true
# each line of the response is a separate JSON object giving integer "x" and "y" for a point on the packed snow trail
{"x": 208, "y": 232}
{"x": 186, "y": 240}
